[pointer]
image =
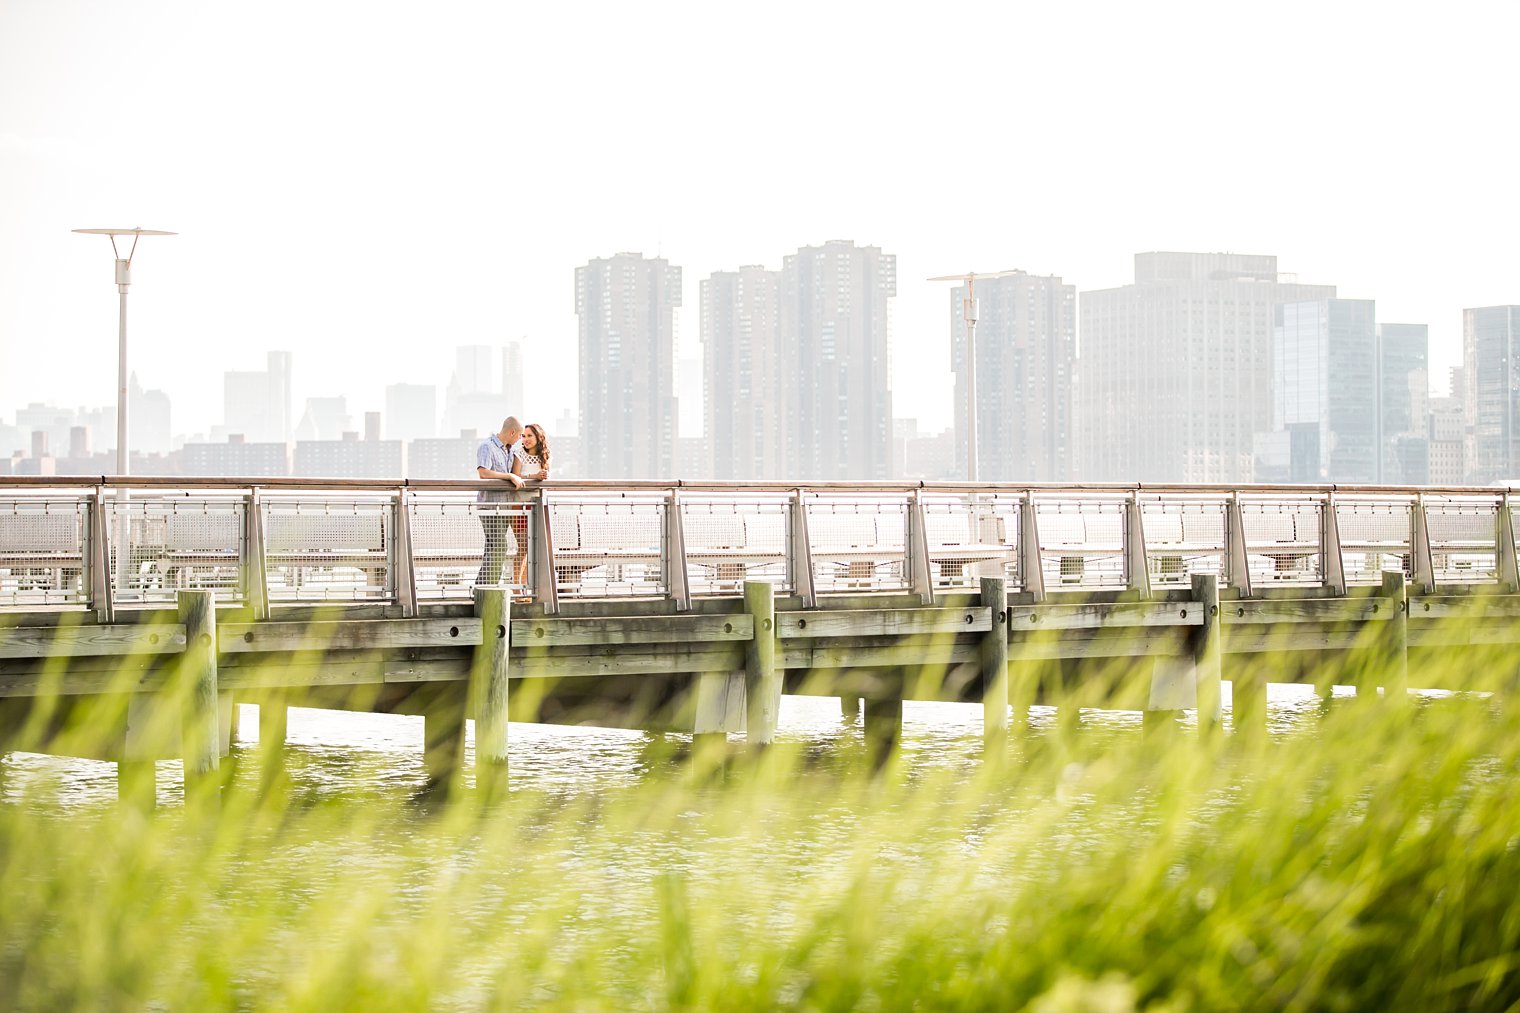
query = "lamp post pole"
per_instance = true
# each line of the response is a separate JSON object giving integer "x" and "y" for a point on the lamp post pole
{"x": 123, "y": 445}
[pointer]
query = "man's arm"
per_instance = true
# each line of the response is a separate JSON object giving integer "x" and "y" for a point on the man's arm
{"x": 506, "y": 476}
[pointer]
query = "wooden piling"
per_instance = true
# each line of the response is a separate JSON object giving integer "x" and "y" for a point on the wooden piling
{"x": 489, "y": 687}
{"x": 200, "y": 712}
{"x": 136, "y": 776}
{"x": 849, "y": 707}
{"x": 442, "y": 739}
{"x": 762, "y": 676}
{"x": 1394, "y": 669}
{"x": 1206, "y": 642}
{"x": 883, "y": 727}
{"x": 994, "y": 663}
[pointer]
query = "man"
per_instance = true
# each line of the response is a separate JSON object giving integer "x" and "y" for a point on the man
{"x": 494, "y": 461}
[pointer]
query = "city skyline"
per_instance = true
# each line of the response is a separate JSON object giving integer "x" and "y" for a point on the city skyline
{"x": 303, "y": 224}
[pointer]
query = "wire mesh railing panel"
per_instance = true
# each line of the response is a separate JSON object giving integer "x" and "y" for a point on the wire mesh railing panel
{"x": 971, "y": 536}
{"x": 859, "y": 543}
{"x": 1081, "y": 541}
{"x": 328, "y": 549}
{"x": 43, "y": 550}
{"x": 1463, "y": 533}
{"x": 1184, "y": 535}
{"x": 172, "y": 543}
{"x": 458, "y": 543}
{"x": 1374, "y": 534}
{"x": 1283, "y": 540}
{"x": 609, "y": 548}
{"x": 733, "y": 539}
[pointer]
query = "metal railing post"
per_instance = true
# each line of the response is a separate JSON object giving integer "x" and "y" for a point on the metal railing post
{"x": 403, "y": 560}
{"x": 1137, "y": 575}
{"x": 98, "y": 565}
{"x": 1422, "y": 569}
{"x": 677, "y": 588}
{"x": 799, "y": 559}
{"x": 920, "y": 575}
{"x": 255, "y": 575}
{"x": 1031, "y": 571}
{"x": 1332, "y": 565}
{"x": 1237, "y": 566}
{"x": 1504, "y": 547}
{"x": 542, "y": 577}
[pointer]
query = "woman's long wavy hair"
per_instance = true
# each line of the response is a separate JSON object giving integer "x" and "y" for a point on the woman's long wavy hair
{"x": 542, "y": 440}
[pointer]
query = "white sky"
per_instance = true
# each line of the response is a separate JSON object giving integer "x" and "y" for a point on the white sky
{"x": 370, "y": 184}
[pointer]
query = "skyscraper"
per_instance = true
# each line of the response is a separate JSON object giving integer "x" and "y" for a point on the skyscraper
{"x": 834, "y": 343}
{"x": 1174, "y": 375}
{"x": 150, "y": 430}
{"x": 257, "y": 402}
{"x": 512, "y": 377}
{"x": 741, "y": 362}
{"x": 411, "y": 411}
{"x": 472, "y": 400}
{"x": 1491, "y": 366}
{"x": 626, "y": 308}
{"x": 1404, "y": 396}
{"x": 1324, "y": 394}
{"x": 1025, "y": 353}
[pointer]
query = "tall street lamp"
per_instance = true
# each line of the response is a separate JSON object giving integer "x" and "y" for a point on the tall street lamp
{"x": 123, "y": 279}
{"x": 968, "y": 313}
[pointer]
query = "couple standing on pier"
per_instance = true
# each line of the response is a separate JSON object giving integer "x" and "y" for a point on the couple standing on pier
{"x": 514, "y": 455}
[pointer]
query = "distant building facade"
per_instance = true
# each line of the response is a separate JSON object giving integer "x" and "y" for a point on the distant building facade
{"x": 1325, "y": 394}
{"x": 445, "y": 457}
{"x": 1404, "y": 403}
{"x": 411, "y": 411}
{"x": 625, "y": 305}
{"x": 256, "y": 403}
{"x": 1175, "y": 370}
{"x": 350, "y": 457}
{"x": 834, "y": 345}
{"x": 236, "y": 458}
{"x": 741, "y": 370}
{"x": 1491, "y": 369}
{"x": 1026, "y": 346}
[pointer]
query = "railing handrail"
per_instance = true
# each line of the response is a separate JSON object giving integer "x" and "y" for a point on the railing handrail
{"x": 723, "y": 485}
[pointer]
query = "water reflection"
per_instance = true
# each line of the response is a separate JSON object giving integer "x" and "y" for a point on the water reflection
{"x": 335, "y": 754}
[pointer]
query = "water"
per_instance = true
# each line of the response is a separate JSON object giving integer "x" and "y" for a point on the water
{"x": 333, "y": 754}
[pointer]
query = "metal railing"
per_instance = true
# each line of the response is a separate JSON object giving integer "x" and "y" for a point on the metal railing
{"x": 107, "y": 544}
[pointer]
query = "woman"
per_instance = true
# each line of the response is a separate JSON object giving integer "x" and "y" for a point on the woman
{"x": 530, "y": 461}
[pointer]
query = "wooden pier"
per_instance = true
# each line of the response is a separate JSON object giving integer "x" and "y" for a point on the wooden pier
{"x": 134, "y": 614}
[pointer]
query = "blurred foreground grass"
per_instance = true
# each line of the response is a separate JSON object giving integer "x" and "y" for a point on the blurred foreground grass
{"x": 1366, "y": 860}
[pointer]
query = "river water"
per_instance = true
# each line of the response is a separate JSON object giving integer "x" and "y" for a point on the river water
{"x": 338, "y": 753}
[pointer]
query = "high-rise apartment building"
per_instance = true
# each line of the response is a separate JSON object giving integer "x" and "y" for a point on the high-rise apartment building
{"x": 256, "y": 403}
{"x": 1403, "y": 403}
{"x": 626, "y": 309}
{"x": 512, "y": 377}
{"x": 1324, "y": 394}
{"x": 411, "y": 411}
{"x": 834, "y": 343}
{"x": 1026, "y": 346}
{"x": 472, "y": 400}
{"x": 1175, "y": 370}
{"x": 741, "y": 370}
{"x": 1491, "y": 367}
{"x": 149, "y": 427}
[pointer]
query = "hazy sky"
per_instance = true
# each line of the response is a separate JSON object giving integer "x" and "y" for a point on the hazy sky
{"x": 370, "y": 184}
